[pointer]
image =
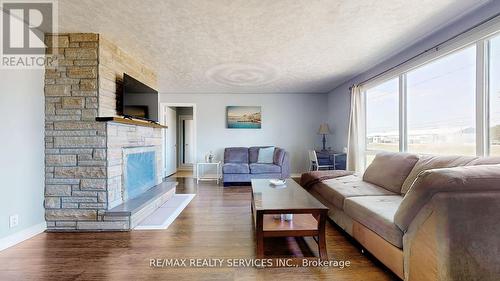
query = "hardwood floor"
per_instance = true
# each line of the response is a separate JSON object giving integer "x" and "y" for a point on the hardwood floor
{"x": 216, "y": 224}
{"x": 184, "y": 174}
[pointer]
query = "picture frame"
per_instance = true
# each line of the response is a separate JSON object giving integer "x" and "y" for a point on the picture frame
{"x": 243, "y": 117}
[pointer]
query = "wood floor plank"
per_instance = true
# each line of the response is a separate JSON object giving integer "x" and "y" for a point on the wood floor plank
{"x": 216, "y": 224}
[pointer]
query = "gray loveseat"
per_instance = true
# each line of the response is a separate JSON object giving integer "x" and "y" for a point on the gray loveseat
{"x": 240, "y": 165}
{"x": 425, "y": 217}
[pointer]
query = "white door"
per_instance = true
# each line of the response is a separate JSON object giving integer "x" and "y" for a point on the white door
{"x": 188, "y": 142}
{"x": 170, "y": 142}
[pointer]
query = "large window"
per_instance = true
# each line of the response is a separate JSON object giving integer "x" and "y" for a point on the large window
{"x": 382, "y": 121}
{"x": 494, "y": 99}
{"x": 382, "y": 126}
{"x": 448, "y": 106}
{"x": 441, "y": 105}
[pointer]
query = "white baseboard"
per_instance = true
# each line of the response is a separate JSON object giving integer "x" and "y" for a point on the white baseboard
{"x": 22, "y": 235}
{"x": 295, "y": 175}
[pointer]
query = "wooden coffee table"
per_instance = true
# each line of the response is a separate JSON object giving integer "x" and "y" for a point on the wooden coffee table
{"x": 309, "y": 215}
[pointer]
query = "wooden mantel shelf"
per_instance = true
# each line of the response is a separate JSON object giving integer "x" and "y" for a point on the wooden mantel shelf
{"x": 137, "y": 122}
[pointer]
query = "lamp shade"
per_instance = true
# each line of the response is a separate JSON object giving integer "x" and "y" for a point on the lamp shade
{"x": 324, "y": 129}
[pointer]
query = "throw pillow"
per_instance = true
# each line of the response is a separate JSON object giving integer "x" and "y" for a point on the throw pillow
{"x": 390, "y": 169}
{"x": 266, "y": 155}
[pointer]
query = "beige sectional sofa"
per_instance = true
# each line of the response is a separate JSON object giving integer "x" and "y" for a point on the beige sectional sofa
{"x": 424, "y": 217}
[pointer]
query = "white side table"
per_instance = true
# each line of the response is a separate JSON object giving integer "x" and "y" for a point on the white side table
{"x": 200, "y": 176}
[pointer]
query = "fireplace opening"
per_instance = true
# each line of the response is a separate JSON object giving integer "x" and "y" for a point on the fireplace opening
{"x": 139, "y": 171}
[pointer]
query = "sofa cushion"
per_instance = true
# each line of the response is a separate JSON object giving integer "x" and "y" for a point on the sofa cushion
{"x": 389, "y": 170}
{"x": 338, "y": 189}
{"x": 235, "y": 168}
{"x": 279, "y": 156}
{"x": 261, "y": 168}
{"x": 427, "y": 162}
{"x": 236, "y": 155}
{"x": 253, "y": 153}
{"x": 266, "y": 155}
{"x": 377, "y": 214}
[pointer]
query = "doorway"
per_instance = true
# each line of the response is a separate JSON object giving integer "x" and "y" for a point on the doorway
{"x": 170, "y": 141}
{"x": 185, "y": 140}
{"x": 179, "y": 140}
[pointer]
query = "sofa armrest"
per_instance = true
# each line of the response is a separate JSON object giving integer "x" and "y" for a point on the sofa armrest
{"x": 458, "y": 179}
{"x": 454, "y": 237}
{"x": 285, "y": 166}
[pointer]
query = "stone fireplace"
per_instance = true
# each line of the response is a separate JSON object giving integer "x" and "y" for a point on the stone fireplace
{"x": 87, "y": 151}
{"x": 124, "y": 141}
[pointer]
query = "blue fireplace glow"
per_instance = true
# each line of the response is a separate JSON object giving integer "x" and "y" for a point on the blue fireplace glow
{"x": 140, "y": 173}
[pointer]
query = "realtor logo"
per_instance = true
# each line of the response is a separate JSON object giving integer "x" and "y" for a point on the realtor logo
{"x": 24, "y": 25}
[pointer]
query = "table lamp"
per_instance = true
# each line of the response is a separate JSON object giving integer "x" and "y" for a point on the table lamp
{"x": 324, "y": 130}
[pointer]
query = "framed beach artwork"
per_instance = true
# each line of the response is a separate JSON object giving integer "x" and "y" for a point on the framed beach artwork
{"x": 243, "y": 117}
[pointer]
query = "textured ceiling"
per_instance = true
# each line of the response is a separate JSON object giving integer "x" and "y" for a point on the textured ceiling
{"x": 260, "y": 46}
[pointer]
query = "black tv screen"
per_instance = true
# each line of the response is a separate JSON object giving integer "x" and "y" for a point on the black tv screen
{"x": 139, "y": 100}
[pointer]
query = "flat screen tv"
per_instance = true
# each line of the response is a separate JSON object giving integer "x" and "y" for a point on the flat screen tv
{"x": 139, "y": 100}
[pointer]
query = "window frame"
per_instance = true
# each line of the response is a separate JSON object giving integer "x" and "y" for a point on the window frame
{"x": 482, "y": 95}
{"x": 487, "y": 93}
{"x": 365, "y": 133}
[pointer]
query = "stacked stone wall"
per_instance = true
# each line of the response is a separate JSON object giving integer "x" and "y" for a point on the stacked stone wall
{"x": 76, "y": 152}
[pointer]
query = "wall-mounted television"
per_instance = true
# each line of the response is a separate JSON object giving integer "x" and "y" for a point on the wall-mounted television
{"x": 139, "y": 100}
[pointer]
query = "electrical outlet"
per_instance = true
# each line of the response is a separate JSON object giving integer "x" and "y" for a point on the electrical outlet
{"x": 13, "y": 221}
